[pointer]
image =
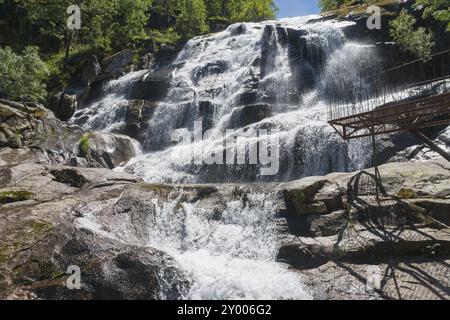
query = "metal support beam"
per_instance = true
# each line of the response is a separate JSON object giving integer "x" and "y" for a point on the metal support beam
{"x": 433, "y": 146}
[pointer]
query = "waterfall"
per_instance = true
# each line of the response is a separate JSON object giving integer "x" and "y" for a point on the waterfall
{"x": 108, "y": 113}
{"x": 268, "y": 76}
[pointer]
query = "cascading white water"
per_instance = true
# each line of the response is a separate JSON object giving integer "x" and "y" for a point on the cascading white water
{"x": 218, "y": 71}
{"x": 231, "y": 257}
{"x": 227, "y": 254}
{"x": 108, "y": 113}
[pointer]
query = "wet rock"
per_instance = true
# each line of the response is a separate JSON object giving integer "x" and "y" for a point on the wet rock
{"x": 167, "y": 53}
{"x": 138, "y": 113}
{"x": 116, "y": 64}
{"x": 206, "y": 112}
{"x": 269, "y": 49}
{"x": 247, "y": 115}
{"x": 104, "y": 150}
{"x": 139, "y": 270}
{"x": 248, "y": 97}
{"x": 153, "y": 87}
{"x": 210, "y": 69}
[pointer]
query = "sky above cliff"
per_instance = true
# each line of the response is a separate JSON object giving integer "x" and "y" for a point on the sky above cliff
{"x": 295, "y": 8}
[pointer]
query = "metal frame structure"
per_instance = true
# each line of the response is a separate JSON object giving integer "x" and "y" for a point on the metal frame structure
{"x": 409, "y": 97}
{"x": 391, "y": 104}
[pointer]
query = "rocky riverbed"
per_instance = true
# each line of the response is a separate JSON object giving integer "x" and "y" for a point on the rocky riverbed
{"x": 54, "y": 216}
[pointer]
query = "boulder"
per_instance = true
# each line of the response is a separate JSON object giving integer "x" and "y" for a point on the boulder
{"x": 116, "y": 64}
{"x": 137, "y": 115}
{"x": 58, "y": 230}
{"x": 102, "y": 150}
{"x": 87, "y": 73}
{"x": 406, "y": 230}
{"x": 32, "y": 125}
{"x": 63, "y": 105}
{"x": 153, "y": 87}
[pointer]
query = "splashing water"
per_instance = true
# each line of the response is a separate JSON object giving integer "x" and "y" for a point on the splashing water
{"x": 279, "y": 63}
{"x": 227, "y": 254}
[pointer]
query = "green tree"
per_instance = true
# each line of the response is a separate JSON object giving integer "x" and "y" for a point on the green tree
{"x": 115, "y": 24}
{"x": 22, "y": 77}
{"x": 326, "y": 5}
{"x": 417, "y": 41}
{"x": 252, "y": 10}
{"x": 438, "y": 9}
{"x": 192, "y": 20}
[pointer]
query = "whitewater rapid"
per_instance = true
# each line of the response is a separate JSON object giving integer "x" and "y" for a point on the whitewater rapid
{"x": 233, "y": 255}
{"x": 218, "y": 71}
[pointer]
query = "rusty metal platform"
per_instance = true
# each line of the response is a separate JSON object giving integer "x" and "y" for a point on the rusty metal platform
{"x": 408, "y": 115}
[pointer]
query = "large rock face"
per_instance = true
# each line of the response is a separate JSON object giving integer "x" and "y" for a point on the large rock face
{"x": 64, "y": 105}
{"x": 116, "y": 64}
{"x": 32, "y": 125}
{"x": 40, "y": 135}
{"x": 36, "y": 248}
{"x": 332, "y": 227}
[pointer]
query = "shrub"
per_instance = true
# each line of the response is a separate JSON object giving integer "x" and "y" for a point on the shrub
{"x": 22, "y": 77}
{"x": 417, "y": 41}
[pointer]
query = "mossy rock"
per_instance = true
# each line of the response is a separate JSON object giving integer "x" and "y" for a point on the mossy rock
{"x": 14, "y": 196}
{"x": 406, "y": 194}
{"x": 22, "y": 237}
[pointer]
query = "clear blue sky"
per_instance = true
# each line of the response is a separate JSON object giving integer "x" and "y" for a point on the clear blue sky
{"x": 295, "y": 8}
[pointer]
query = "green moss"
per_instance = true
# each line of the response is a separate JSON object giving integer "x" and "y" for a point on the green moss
{"x": 301, "y": 197}
{"x": 3, "y": 286}
{"x": 406, "y": 194}
{"x": 14, "y": 196}
{"x": 41, "y": 227}
{"x": 4, "y": 254}
{"x": 40, "y": 114}
{"x": 84, "y": 142}
{"x": 6, "y": 112}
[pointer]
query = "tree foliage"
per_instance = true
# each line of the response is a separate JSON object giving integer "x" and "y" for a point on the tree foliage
{"x": 192, "y": 20}
{"x": 108, "y": 27}
{"x": 417, "y": 41}
{"x": 115, "y": 24}
{"x": 22, "y": 77}
{"x": 438, "y": 9}
{"x": 326, "y": 5}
